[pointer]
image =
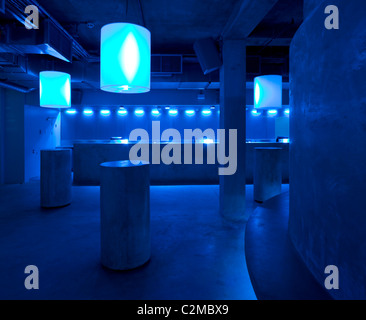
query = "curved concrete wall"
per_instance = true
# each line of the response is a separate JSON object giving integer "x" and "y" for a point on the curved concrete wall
{"x": 328, "y": 149}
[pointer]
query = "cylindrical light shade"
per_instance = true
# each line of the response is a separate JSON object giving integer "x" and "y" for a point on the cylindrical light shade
{"x": 55, "y": 89}
{"x": 125, "y": 58}
{"x": 268, "y": 91}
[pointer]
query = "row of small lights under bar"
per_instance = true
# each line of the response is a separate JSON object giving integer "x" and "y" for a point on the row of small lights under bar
{"x": 141, "y": 112}
{"x": 270, "y": 112}
{"x": 172, "y": 112}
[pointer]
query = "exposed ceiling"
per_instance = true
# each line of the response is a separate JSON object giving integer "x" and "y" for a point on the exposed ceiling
{"x": 174, "y": 24}
{"x": 280, "y": 23}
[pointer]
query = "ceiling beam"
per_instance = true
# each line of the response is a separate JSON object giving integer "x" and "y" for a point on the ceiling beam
{"x": 273, "y": 42}
{"x": 247, "y": 14}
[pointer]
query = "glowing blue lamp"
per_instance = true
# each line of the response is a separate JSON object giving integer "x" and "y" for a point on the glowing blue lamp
{"x": 125, "y": 58}
{"x": 54, "y": 89}
{"x": 268, "y": 91}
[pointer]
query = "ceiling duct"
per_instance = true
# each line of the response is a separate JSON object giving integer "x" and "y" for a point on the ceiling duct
{"x": 166, "y": 64}
{"x": 16, "y": 87}
{"x": 51, "y": 41}
{"x": 79, "y": 71}
{"x": 10, "y": 63}
{"x": 13, "y": 68}
{"x": 16, "y": 9}
{"x": 26, "y": 69}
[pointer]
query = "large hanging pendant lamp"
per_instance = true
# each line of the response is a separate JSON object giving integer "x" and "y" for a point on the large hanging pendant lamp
{"x": 125, "y": 58}
{"x": 268, "y": 91}
{"x": 55, "y": 89}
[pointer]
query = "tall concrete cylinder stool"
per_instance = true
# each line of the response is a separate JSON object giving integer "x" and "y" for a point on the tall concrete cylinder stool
{"x": 56, "y": 178}
{"x": 125, "y": 214}
{"x": 267, "y": 177}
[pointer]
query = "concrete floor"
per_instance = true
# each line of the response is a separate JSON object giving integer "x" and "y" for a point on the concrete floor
{"x": 196, "y": 254}
{"x": 276, "y": 270}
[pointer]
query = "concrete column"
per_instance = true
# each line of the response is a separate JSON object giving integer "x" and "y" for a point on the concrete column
{"x": 124, "y": 214}
{"x": 13, "y": 136}
{"x": 232, "y": 116}
{"x": 2, "y": 134}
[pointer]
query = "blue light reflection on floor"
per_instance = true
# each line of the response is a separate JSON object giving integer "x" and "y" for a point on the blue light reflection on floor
{"x": 196, "y": 254}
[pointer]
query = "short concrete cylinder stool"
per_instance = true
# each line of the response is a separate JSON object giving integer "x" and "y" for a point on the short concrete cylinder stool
{"x": 267, "y": 178}
{"x": 56, "y": 178}
{"x": 125, "y": 214}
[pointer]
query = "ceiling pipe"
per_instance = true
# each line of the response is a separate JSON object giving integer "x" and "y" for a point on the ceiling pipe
{"x": 16, "y": 87}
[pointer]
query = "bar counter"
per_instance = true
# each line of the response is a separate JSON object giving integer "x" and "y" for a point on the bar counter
{"x": 88, "y": 155}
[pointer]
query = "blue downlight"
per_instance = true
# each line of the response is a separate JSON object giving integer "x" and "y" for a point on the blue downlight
{"x": 139, "y": 112}
{"x": 190, "y": 113}
{"x": 125, "y": 58}
{"x": 105, "y": 112}
{"x": 88, "y": 112}
{"x": 255, "y": 113}
{"x": 268, "y": 91}
{"x": 122, "y": 112}
{"x": 206, "y": 112}
{"x": 173, "y": 112}
{"x": 272, "y": 112}
{"x": 55, "y": 89}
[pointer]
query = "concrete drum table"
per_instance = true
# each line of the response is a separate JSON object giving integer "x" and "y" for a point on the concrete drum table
{"x": 56, "y": 178}
{"x": 267, "y": 178}
{"x": 125, "y": 214}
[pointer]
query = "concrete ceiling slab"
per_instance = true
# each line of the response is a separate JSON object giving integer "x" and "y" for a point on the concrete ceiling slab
{"x": 174, "y": 25}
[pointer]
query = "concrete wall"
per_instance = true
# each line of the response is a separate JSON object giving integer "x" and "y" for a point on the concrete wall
{"x": 328, "y": 150}
{"x": 154, "y": 97}
{"x": 2, "y": 134}
{"x": 13, "y": 136}
{"x": 309, "y": 6}
{"x": 42, "y": 127}
{"x": 24, "y": 131}
{"x": 79, "y": 126}
{"x": 282, "y": 128}
{"x": 97, "y": 127}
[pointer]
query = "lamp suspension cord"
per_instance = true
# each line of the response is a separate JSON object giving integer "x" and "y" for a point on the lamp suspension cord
{"x": 142, "y": 14}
